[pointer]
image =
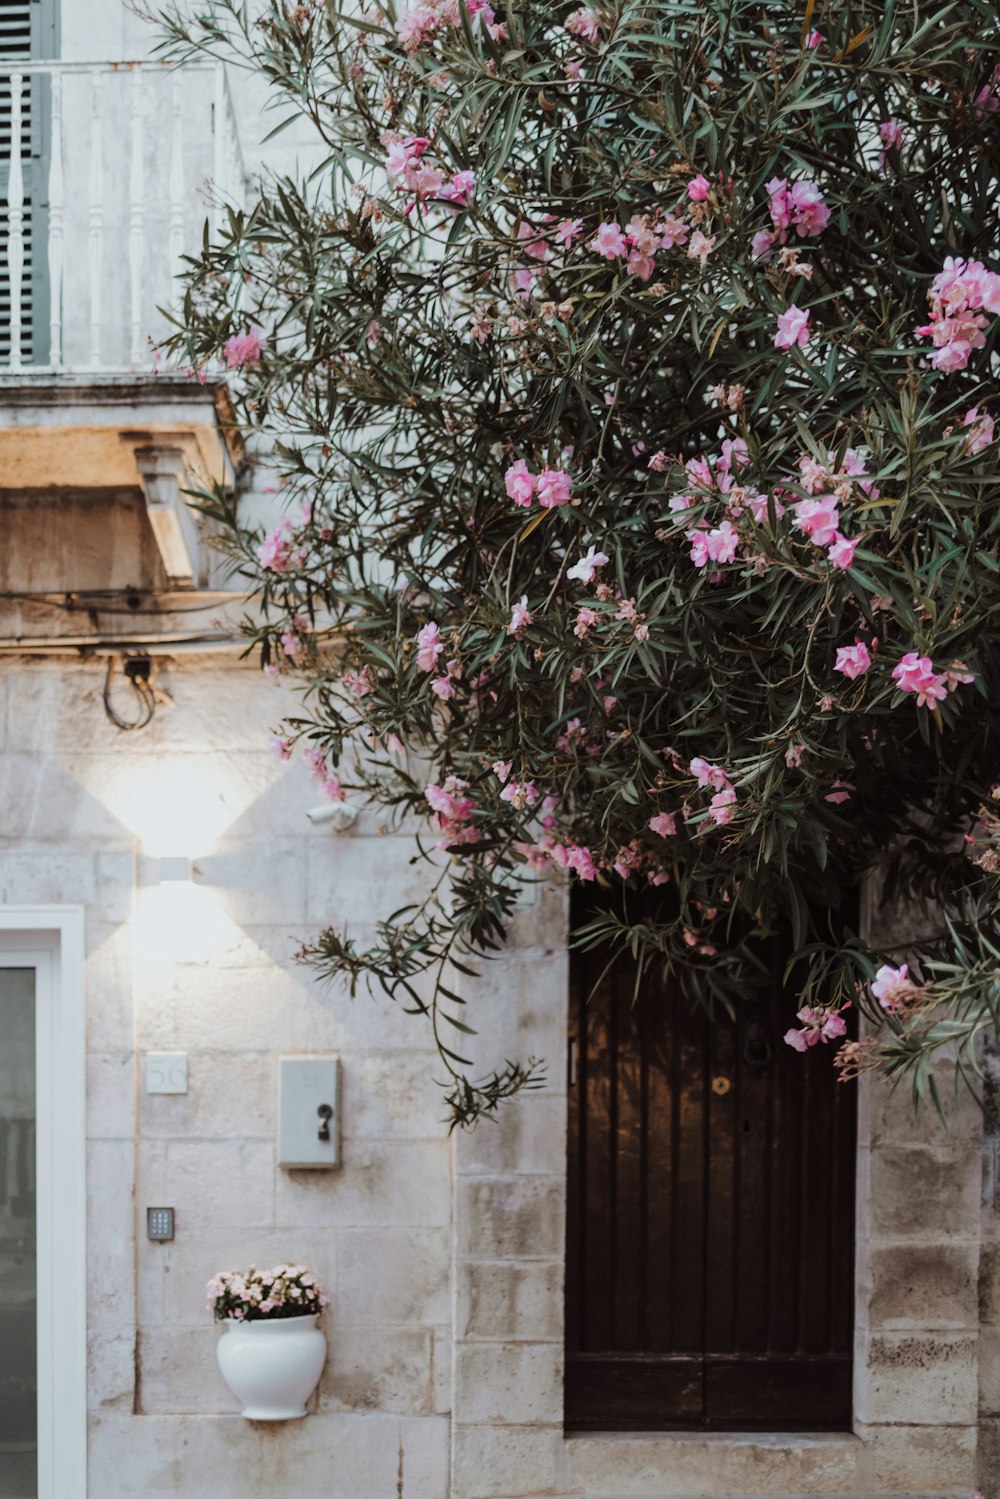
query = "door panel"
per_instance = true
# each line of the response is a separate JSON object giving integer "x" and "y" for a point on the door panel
{"x": 710, "y": 1214}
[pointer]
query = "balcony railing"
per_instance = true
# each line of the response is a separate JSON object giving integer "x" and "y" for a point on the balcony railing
{"x": 109, "y": 172}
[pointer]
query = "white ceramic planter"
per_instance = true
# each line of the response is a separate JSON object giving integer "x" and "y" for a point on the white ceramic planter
{"x": 272, "y": 1367}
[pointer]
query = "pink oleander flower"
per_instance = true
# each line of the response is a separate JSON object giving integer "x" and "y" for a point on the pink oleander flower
{"x": 673, "y": 231}
{"x": 707, "y": 774}
{"x": 892, "y": 987}
{"x": 460, "y": 189}
{"x": 586, "y": 619}
{"x": 718, "y": 545}
{"x": 819, "y": 519}
{"x": 841, "y": 792}
{"x": 722, "y": 806}
{"x": 585, "y": 570}
{"x": 701, "y": 247}
{"x": 761, "y": 244}
{"x": 244, "y": 349}
{"x": 664, "y": 823}
{"x": 841, "y": 551}
{"x": 584, "y": 23}
{"x": 554, "y": 487}
{"x": 853, "y": 660}
{"x": 698, "y": 189}
{"x": 960, "y": 296}
{"x": 443, "y": 687}
{"x": 814, "y": 39}
{"x": 520, "y": 483}
{"x": 520, "y": 616}
{"x": 982, "y": 430}
{"x": 275, "y": 551}
{"x": 793, "y": 328}
{"x": 609, "y": 241}
{"x": 892, "y": 136}
{"x": 429, "y": 646}
{"x": 809, "y": 213}
{"x": 580, "y": 861}
{"x": 916, "y": 674}
{"x": 567, "y": 230}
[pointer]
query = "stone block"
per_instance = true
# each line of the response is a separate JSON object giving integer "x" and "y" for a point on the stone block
{"x": 516, "y": 1384}
{"x": 377, "y": 1368}
{"x": 226, "y": 1457}
{"x": 510, "y": 1301}
{"x": 59, "y": 798}
{"x": 497, "y": 1462}
{"x": 179, "y": 1373}
{"x": 357, "y": 882}
{"x": 917, "y": 1459}
{"x": 892, "y": 1118}
{"x": 111, "y": 1365}
{"x": 925, "y": 1192}
{"x": 391, "y": 1182}
{"x": 115, "y": 884}
{"x": 527, "y": 1137}
{"x": 108, "y": 984}
{"x": 510, "y": 1217}
{"x": 110, "y": 1259}
{"x": 425, "y": 1443}
{"x": 989, "y": 1371}
{"x": 923, "y": 1286}
{"x": 989, "y": 1282}
{"x": 221, "y": 1183}
{"x": 919, "y": 1379}
{"x": 35, "y": 874}
{"x": 394, "y": 1275}
{"x": 247, "y": 894}
{"x": 518, "y": 1007}
{"x": 230, "y": 1095}
{"x": 110, "y": 1096}
{"x": 682, "y": 1466}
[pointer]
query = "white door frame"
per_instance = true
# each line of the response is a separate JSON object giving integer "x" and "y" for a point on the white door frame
{"x": 50, "y": 940}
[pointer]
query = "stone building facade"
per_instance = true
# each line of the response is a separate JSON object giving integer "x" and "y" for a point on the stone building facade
{"x": 444, "y": 1256}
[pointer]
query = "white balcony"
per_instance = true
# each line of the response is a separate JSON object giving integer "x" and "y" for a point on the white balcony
{"x": 111, "y": 171}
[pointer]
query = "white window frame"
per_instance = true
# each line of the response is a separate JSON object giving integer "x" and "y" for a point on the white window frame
{"x": 50, "y": 940}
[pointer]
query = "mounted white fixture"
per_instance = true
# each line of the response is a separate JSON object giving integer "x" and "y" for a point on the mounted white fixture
{"x": 336, "y": 815}
{"x": 174, "y": 870}
{"x": 309, "y": 1112}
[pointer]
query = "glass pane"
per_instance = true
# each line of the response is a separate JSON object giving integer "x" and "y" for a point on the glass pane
{"x": 18, "y": 1384}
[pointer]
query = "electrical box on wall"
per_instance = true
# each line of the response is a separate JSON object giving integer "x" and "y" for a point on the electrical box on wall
{"x": 309, "y": 1112}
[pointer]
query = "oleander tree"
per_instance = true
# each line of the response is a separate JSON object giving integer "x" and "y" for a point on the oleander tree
{"x": 631, "y": 375}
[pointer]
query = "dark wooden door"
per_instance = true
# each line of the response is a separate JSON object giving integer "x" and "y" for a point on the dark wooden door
{"x": 710, "y": 1245}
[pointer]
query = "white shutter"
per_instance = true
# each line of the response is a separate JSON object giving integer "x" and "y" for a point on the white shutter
{"x": 16, "y": 45}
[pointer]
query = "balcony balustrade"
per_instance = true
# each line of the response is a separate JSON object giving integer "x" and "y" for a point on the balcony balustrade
{"x": 108, "y": 172}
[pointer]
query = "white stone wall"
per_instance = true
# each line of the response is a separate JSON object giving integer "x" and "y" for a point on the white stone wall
{"x": 82, "y": 806}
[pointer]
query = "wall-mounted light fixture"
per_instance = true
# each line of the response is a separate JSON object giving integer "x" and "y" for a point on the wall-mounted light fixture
{"x": 174, "y": 870}
{"x": 336, "y": 815}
